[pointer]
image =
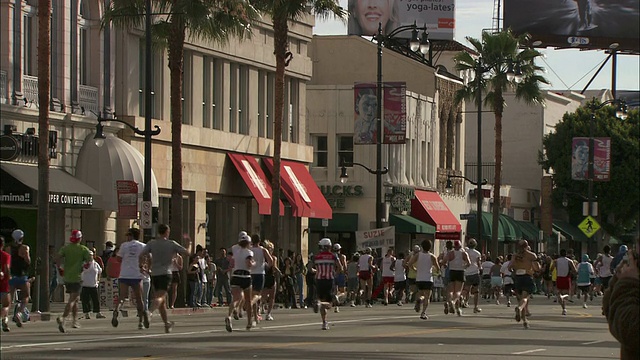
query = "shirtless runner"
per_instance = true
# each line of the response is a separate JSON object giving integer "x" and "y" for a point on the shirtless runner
{"x": 523, "y": 265}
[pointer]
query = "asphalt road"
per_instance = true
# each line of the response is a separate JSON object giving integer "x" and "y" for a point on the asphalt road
{"x": 390, "y": 332}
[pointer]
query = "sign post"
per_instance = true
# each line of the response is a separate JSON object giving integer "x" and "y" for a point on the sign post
{"x": 589, "y": 226}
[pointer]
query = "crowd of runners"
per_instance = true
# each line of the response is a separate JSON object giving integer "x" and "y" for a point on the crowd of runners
{"x": 460, "y": 277}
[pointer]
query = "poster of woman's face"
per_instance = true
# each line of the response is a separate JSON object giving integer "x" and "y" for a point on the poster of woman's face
{"x": 366, "y": 15}
{"x": 366, "y": 105}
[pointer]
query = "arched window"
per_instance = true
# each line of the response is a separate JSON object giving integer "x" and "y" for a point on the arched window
{"x": 83, "y": 44}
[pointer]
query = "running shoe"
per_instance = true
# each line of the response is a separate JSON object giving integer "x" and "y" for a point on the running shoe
{"x": 399, "y": 303}
{"x": 336, "y": 300}
{"x": 168, "y": 326}
{"x": 525, "y": 324}
{"x": 100, "y": 316}
{"x": 17, "y": 319}
{"x": 584, "y": 306}
{"x": 269, "y": 317}
{"x": 564, "y": 312}
{"x": 417, "y": 307}
{"x": 459, "y": 311}
{"x": 509, "y": 303}
{"x": 446, "y": 308}
{"x": 424, "y": 316}
{"x": 254, "y": 324}
{"x": 140, "y": 325}
{"x": 235, "y": 315}
{"x": 76, "y": 324}
{"x": 5, "y": 325}
{"x": 249, "y": 326}
{"x": 451, "y": 308}
{"x": 227, "y": 324}
{"x": 145, "y": 319}
{"x": 353, "y": 304}
{"x": 87, "y": 316}
{"x": 336, "y": 310}
{"x": 316, "y": 307}
{"x": 518, "y": 315}
{"x": 477, "y": 310}
{"x": 114, "y": 319}
{"x": 325, "y": 326}
{"x": 497, "y": 302}
{"x": 60, "y": 322}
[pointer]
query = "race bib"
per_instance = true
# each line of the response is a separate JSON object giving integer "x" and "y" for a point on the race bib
{"x": 521, "y": 272}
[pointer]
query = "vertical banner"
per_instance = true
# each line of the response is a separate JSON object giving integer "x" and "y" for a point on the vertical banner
{"x": 365, "y": 129}
{"x": 376, "y": 238}
{"x": 395, "y": 113}
{"x": 602, "y": 159}
{"x": 127, "y": 199}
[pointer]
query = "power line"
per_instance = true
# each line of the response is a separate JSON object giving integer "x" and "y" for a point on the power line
{"x": 588, "y": 72}
{"x": 554, "y": 72}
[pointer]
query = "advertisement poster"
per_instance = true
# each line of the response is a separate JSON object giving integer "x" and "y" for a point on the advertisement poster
{"x": 394, "y": 113}
{"x": 601, "y": 159}
{"x": 127, "y": 199}
{"x": 366, "y": 15}
{"x": 382, "y": 238}
{"x": 365, "y": 129}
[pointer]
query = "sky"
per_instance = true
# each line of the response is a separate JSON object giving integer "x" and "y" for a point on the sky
{"x": 566, "y": 68}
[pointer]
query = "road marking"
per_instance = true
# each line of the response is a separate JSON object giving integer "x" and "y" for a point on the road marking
{"x": 528, "y": 351}
{"x": 593, "y": 342}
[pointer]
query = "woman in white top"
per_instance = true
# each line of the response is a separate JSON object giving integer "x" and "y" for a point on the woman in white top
{"x": 425, "y": 262}
{"x": 400, "y": 279}
{"x": 388, "y": 276}
{"x": 241, "y": 279}
{"x": 457, "y": 261}
{"x": 365, "y": 273}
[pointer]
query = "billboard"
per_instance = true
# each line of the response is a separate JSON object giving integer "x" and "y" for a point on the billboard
{"x": 592, "y": 24}
{"x": 365, "y": 129}
{"x": 437, "y": 15}
{"x": 601, "y": 158}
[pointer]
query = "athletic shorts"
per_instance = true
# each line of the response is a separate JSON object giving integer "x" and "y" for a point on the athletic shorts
{"x": 257, "y": 282}
{"x": 424, "y": 285}
{"x": 508, "y": 289}
{"x": 524, "y": 283}
{"x": 411, "y": 281}
{"x": 175, "y": 277}
{"x": 598, "y": 281}
{"x": 486, "y": 282}
{"x": 496, "y": 281}
{"x": 72, "y": 288}
{"x": 352, "y": 284}
{"x": 130, "y": 282}
{"x": 472, "y": 280}
{"x": 269, "y": 281}
{"x": 584, "y": 288}
{"x": 400, "y": 285}
{"x": 18, "y": 280}
{"x": 241, "y": 279}
{"x": 456, "y": 275}
{"x": 605, "y": 282}
{"x": 324, "y": 288}
{"x": 563, "y": 282}
{"x": 161, "y": 282}
{"x": 341, "y": 280}
{"x": 364, "y": 275}
{"x": 388, "y": 280}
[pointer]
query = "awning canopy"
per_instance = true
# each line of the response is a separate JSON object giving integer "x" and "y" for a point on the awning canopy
{"x": 570, "y": 231}
{"x": 339, "y": 223}
{"x": 301, "y": 190}
{"x": 409, "y": 225}
{"x": 101, "y": 167}
{"x": 20, "y": 183}
{"x": 530, "y": 232}
{"x": 429, "y": 207}
{"x": 256, "y": 181}
{"x": 487, "y": 227}
{"x": 510, "y": 228}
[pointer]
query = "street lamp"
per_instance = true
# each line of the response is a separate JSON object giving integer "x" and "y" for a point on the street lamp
{"x": 422, "y": 45}
{"x": 621, "y": 113}
{"x": 147, "y": 133}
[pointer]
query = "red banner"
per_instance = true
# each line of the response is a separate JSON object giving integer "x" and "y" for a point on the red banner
{"x": 127, "y": 199}
{"x": 365, "y": 129}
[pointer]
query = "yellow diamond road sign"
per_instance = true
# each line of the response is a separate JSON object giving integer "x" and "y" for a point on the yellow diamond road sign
{"x": 589, "y": 226}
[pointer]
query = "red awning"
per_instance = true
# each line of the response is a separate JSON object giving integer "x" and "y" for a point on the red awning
{"x": 429, "y": 207}
{"x": 256, "y": 180}
{"x": 301, "y": 190}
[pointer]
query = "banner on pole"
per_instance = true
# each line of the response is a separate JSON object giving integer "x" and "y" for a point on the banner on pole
{"x": 376, "y": 238}
{"x": 127, "y": 199}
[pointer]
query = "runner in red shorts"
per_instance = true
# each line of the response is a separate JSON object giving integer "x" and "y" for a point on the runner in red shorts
{"x": 388, "y": 274}
{"x": 365, "y": 273}
{"x": 564, "y": 268}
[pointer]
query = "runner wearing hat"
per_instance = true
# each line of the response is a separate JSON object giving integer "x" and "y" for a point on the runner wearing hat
{"x": 585, "y": 273}
{"x": 131, "y": 277}
{"x": 20, "y": 263}
{"x": 74, "y": 256}
{"x": 365, "y": 273}
{"x": 326, "y": 264}
{"x": 241, "y": 279}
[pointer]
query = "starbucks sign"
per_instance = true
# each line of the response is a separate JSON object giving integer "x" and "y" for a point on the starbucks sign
{"x": 9, "y": 148}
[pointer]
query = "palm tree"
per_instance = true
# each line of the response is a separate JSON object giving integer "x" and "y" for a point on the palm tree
{"x": 210, "y": 20}
{"x": 44, "y": 92}
{"x": 506, "y": 67}
{"x": 281, "y": 12}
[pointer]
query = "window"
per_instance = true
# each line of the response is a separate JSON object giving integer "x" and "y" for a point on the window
{"x": 345, "y": 149}
{"x": 28, "y": 53}
{"x": 261, "y": 103}
{"x": 233, "y": 98}
{"x": 271, "y": 90}
{"x": 156, "y": 80}
{"x": 207, "y": 89}
{"x": 187, "y": 79}
{"x": 320, "y": 151}
{"x": 243, "y": 100}
{"x": 83, "y": 45}
{"x": 293, "y": 110}
{"x": 218, "y": 82}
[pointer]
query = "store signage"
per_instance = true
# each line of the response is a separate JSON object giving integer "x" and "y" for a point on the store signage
{"x": 71, "y": 200}
{"x": 127, "y": 199}
{"x": 9, "y": 148}
{"x": 336, "y": 194}
{"x": 400, "y": 198}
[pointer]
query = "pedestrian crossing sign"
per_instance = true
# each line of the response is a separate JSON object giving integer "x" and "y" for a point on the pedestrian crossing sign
{"x": 589, "y": 226}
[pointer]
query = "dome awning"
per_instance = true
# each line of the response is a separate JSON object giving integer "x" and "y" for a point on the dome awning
{"x": 101, "y": 167}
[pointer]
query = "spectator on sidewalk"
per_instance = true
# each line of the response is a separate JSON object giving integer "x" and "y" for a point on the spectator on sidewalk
{"x": 222, "y": 276}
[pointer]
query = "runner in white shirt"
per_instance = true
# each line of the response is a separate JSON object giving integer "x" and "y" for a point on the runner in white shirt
{"x": 603, "y": 264}
{"x": 262, "y": 258}
{"x": 388, "y": 275}
{"x": 485, "y": 267}
{"x": 425, "y": 262}
{"x": 241, "y": 278}
{"x": 472, "y": 275}
{"x": 457, "y": 261}
{"x": 131, "y": 277}
{"x": 400, "y": 279}
{"x": 365, "y": 273}
{"x": 507, "y": 280}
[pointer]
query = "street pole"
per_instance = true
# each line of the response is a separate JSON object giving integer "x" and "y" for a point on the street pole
{"x": 146, "y": 193}
{"x": 379, "y": 210}
{"x": 479, "y": 159}
{"x": 590, "y": 170}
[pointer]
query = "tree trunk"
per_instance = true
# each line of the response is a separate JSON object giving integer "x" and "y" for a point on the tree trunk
{"x": 497, "y": 183}
{"x": 44, "y": 92}
{"x": 176, "y": 60}
{"x": 281, "y": 30}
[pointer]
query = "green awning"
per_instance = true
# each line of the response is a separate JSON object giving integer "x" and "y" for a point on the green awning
{"x": 409, "y": 225}
{"x": 570, "y": 231}
{"x": 530, "y": 232}
{"x": 510, "y": 228}
{"x": 340, "y": 223}
{"x": 487, "y": 227}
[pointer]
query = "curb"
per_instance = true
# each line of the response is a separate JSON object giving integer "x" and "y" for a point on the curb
{"x": 50, "y": 316}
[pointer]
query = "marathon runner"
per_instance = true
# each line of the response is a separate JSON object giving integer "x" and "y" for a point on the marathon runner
{"x": 388, "y": 274}
{"x": 261, "y": 257}
{"x": 5, "y": 295}
{"x": 341, "y": 277}
{"x": 507, "y": 279}
{"x": 400, "y": 279}
{"x": 270, "y": 284}
{"x": 564, "y": 267}
{"x": 365, "y": 273}
{"x": 472, "y": 275}
{"x": 131, "y": 277}
{"x": 73, "y": 256}
{"x": 585, "y": 273}
{"x": 524, "y": 264}
{"x": 241, "y": 279}
{"x": 327, "y": 264}
{"x": 425, "y": 262}
{"x": 20, "y": 263}
{"x": 457, "y": 260}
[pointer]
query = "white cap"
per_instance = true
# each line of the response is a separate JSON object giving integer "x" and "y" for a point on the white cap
{"x": 17, "y": 234}
{"x": 337, "y": 247}
{"x": 325, "y": 242}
